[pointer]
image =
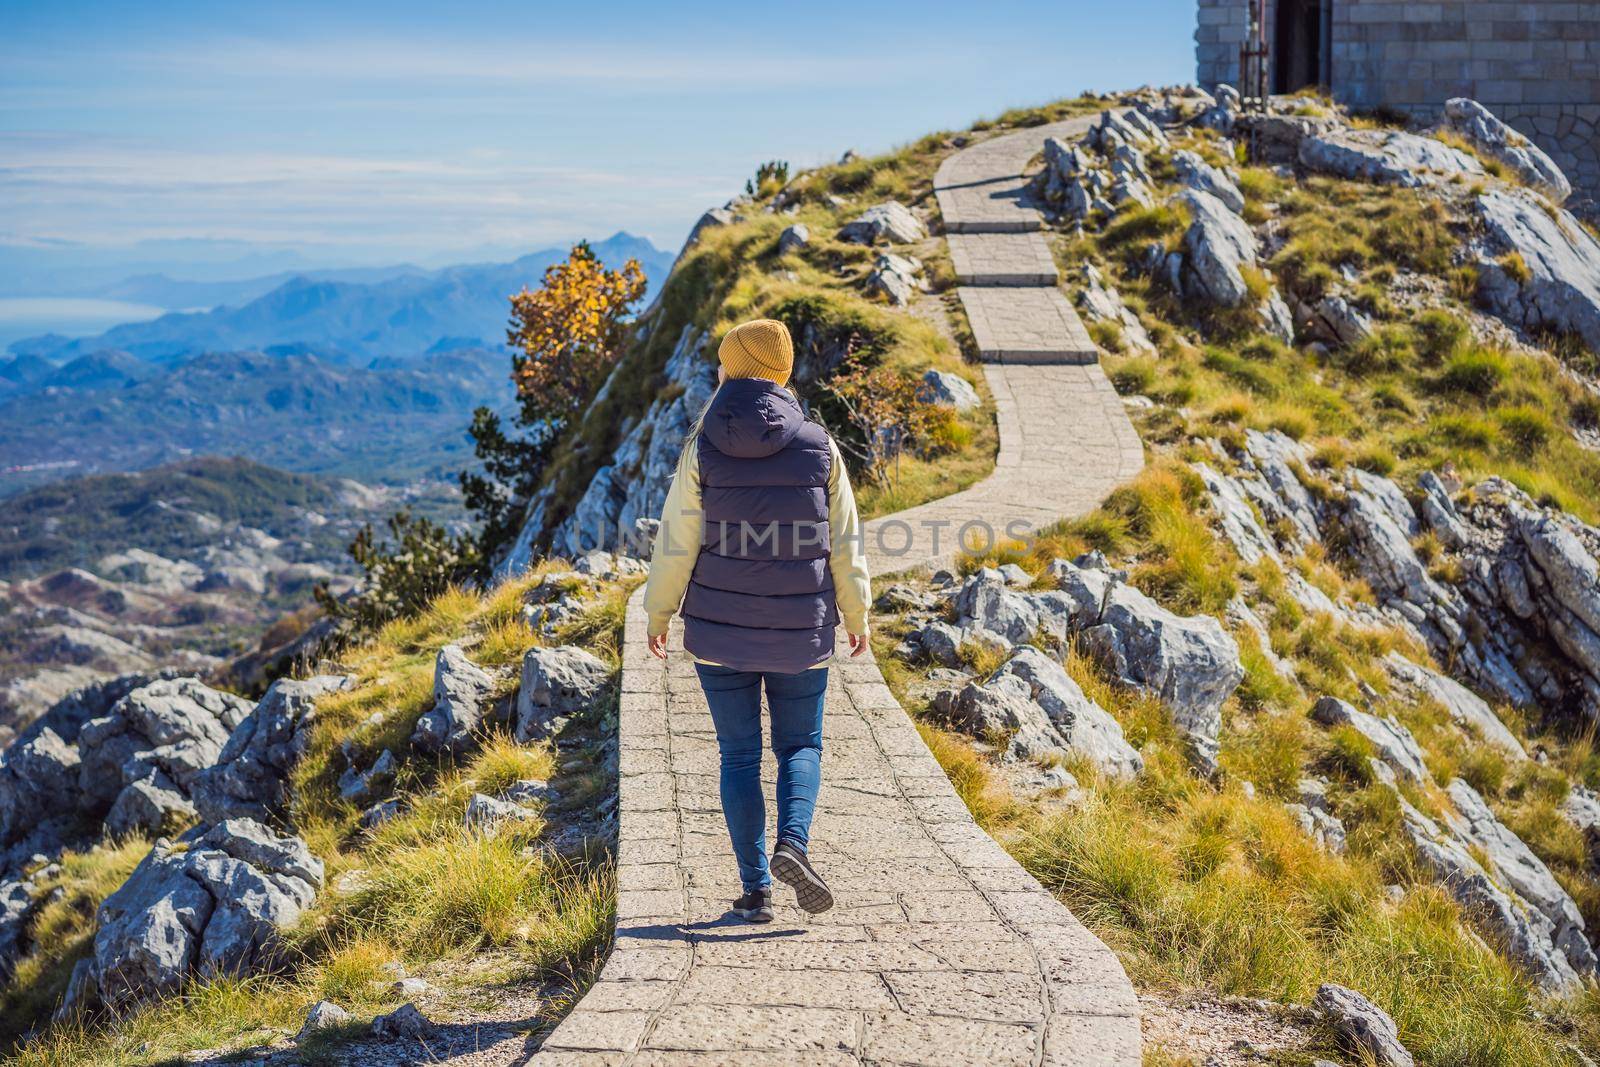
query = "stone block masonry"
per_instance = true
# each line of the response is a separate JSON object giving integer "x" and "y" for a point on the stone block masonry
{"x": 1535, "y": 64}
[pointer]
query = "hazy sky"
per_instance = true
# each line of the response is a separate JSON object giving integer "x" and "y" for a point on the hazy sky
{"x": 361, "y": 132}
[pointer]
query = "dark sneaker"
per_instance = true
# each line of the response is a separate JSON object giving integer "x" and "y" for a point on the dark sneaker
{"x": 790, "y": 866}
{"x": 755, "y": 906}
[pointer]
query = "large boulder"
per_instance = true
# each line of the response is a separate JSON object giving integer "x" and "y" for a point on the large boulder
{"x": 1001, "y": 710}
{"x": 1476, "y": 123}
{"x": 987, "y": 604}
{"x": 163, "y": 734}
{"x": 213, "y": 904}
{"x": 556, "y": 684}
{"x": 1217, "y": 247}
{"x": 1084, "y": 727}
{"x": 1556, "y": 285}
{"x": 1393, "y": 157}
{"x": 1188, "y": 662}
{"x": 888, "y": 221}
{"x": 250, "y": 776}
{"x": 462, "y": 691}
{"x": 1388, "y": 736}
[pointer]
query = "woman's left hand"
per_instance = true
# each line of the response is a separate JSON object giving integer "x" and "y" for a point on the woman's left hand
{"x": 858, "y": 644}
{"x": 658, "y": 645}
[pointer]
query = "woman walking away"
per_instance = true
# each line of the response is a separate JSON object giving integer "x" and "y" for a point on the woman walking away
{"x": 761, "y": 546}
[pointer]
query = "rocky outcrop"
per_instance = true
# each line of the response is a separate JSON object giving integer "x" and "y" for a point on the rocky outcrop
{"x": 1519, "y": 871}
{"x": 888, "y": 221}
{"x": 1520, "y": 620}
{"x": 1100, "y": 302}
{"x": 1478, "y": 125}
{"x": 250, "y": 777}
{"x": 1189, "y": 662}
{"x": 556, "y": 684}
{"x": 1524, "y": 933}
{"x": 213, "y": 904}
{"x": 1217, "y": 249}
{"x": 138, "y": 763}
{"x": 1538, "y": 268}
{"x": 1367, "y": 1027}
{"x": 793, "y": 238}
{"x": 1390, "y": 156}
{"x": 1388, "y": 736}
{"x": 1466, "y": 708}
{"x": 1196, "y": 173}
{"x": 461, "y": 696}
{"x": 1315, "y": 817}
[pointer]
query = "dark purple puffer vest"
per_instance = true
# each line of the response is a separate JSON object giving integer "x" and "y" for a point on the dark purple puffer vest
{"x": 761, "y": 597}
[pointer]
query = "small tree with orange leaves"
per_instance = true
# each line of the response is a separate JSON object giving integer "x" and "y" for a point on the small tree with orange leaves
{"x": 567, "y": 334}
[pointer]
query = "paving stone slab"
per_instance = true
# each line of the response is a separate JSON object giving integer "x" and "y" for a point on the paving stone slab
{"x": 1002, "y": 259}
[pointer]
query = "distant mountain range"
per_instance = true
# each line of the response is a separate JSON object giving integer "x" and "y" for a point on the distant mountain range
{"x": 373, "y": 379}
{"x": 350, "y": 315}
{"x": 299, "y": 412}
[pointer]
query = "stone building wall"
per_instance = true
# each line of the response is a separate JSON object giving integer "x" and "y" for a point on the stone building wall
{"x": 1535, "y": 64}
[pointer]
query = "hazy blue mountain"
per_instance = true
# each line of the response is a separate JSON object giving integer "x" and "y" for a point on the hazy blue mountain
{"x": 106, "y": 369}
{"x": 297, "y": 412}
{"x": 397, "y": 317}
{"x": 180, "y": 294}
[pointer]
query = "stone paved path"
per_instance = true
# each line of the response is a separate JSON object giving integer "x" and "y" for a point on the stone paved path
{"x": 941, "y": 948}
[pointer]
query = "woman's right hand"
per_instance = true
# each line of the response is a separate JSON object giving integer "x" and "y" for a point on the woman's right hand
{"x": 658, "y": 645}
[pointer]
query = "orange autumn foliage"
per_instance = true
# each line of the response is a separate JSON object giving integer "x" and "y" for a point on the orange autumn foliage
{"x": 569, "y": 331}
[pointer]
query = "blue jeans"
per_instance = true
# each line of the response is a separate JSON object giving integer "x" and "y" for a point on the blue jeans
{"x": 795, "y": 702}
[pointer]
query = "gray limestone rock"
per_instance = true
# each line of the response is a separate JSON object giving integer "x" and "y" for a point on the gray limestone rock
{"x": 1390, "y": 739}
{"x": 153, "y": 805}
{"x": 793, "y": 237}
{"x": 1363, "y": 1024}
{"x": 1389, "y": 156}
{"x": 1316, "y": 817}
{"x": 177, "y": 725}
{"x": 556, "y": 682}
{"x": 894, "y": 277}
{"x": 942, "y": 387}
{"x": 1516, "y": 868}
{"x": 363, "y": 787}
{"x": 324, "y": 1015}
{"x": 1196, "y": 173}
{"x": 1189, "y": 662}
{"x": 405, "y": 1021}
{"x": 890, "y": 220}
{"x": 1216, "y": 245}
{"x": 1100, "y": 302}
{"x": 1336, "y": 320}
{"x": 461, "y": 695}
{"x": 249, "y": 778}
{"x": 1524, "y": 933}
{"x": 1236, "y": 517}
{"x": 1466, "y": 708}
{"x": 1001, "y": 709}
{"x": 1489, "y": 135}
{"x": 486, "y": 814}
{"x": 1086, "y": 729}
{"x": 211, "y": 906}
{"x": 1560, "y": 258}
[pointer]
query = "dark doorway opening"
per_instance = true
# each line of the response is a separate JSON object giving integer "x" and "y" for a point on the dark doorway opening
{"x": 1300, "y": 44}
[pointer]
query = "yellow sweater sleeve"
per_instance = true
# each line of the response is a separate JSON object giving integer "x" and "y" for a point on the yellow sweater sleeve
{"x": 852, "y": 585}
{"x": 677, "y": 544}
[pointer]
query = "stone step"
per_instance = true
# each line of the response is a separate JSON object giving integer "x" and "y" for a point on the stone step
{"x": 1002, "y": 259}
{"x": 1026, "y": 325}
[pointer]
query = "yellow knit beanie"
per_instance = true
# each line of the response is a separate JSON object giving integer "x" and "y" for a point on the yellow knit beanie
{"x": 759, "y": 348}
